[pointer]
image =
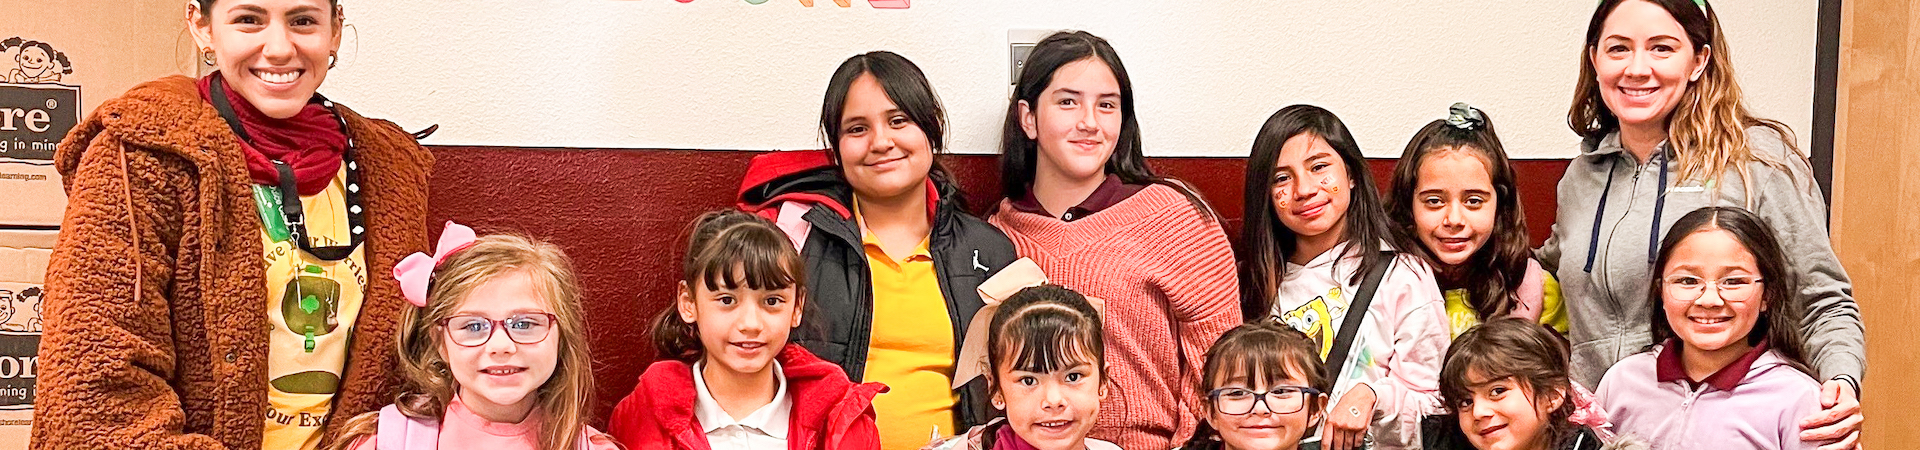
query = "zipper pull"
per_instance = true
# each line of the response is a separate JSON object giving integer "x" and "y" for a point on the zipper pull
{"x": 310, "y": 342}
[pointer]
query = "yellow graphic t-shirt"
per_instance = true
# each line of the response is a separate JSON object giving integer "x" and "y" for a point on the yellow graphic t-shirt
{"x": 312, "y": 304}
{"x": 1461, "y": 316}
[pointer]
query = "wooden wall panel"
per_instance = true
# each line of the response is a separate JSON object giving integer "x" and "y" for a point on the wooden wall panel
{"x": 1876, "y": 204}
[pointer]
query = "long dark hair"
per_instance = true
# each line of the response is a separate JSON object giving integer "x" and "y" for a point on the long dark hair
{"x": 1042, "y": 329}
{"x": 1511, "y": 347}
{"x": 1019, "y": 155}
{"x": 1266, "y": 244}
{"x": 718, "y": 242}
{"x": 1779, "y": 324}
{"x": 1263, "y": 351}
{"x": 908, "y": 88}
{"x": 1494, "y": 273}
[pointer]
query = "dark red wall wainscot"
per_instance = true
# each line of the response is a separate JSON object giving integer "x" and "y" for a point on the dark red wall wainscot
{"x": 622, "y": 216}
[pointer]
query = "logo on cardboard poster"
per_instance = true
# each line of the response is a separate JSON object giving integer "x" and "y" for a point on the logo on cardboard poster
{"x": 19, "y": 344}
{"x": 36, "y": 111}
{"x": 35, "y": 62}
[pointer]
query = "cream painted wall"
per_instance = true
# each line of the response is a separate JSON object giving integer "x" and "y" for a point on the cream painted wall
{"x": 726, "y": 74}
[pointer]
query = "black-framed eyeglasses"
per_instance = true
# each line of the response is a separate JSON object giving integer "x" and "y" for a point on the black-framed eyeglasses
{"x": 1234, "y": 401}
{"x": 473, "y": 330}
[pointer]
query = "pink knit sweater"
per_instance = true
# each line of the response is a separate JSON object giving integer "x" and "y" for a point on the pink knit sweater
{"x": 1150, "y": 256}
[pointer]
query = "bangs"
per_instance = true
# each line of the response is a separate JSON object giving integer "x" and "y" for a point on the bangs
{"x": 1483, "y": 361}
{"x": 754, "y": 257}
{"x": 1051, "y": 338}
{"x": 1255, "y": 368}
{"x": 1263, "y": 354}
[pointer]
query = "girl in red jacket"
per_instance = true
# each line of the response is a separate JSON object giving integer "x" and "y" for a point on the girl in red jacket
{"x": 730, "y": 380}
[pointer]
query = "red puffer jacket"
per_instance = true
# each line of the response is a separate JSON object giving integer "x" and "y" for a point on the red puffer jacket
{"x": 829, "y": 412}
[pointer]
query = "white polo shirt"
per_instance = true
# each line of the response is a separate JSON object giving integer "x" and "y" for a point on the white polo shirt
{"x": 765, "y": 428}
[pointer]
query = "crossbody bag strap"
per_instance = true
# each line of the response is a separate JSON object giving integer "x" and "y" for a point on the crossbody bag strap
{"x": 1356, "y": 313}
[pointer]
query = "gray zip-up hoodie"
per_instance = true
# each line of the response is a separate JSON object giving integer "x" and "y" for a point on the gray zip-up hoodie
{"x": 1613, "y": 212}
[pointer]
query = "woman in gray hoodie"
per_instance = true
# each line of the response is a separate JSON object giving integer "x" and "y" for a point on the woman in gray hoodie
{"x": 1665, "y": 132}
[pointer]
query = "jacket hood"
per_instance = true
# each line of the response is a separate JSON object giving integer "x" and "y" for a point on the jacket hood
{"x": 1602, "y": 146}
{"x": 803, "y": 176}
{"x": 165, "y": 115}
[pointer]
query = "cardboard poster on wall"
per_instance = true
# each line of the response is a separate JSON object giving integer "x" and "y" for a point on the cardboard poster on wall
{"x": 23, "y": 267}
{"x": 33, "y": 119}
{"x": 50, "y": 53}
{"x": 36, "y": 111}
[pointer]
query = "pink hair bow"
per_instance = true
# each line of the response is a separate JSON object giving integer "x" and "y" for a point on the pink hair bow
{"x": 414, "y": 271}
{"x": 1021, "y": 274}
{"x": 1588, "y": 413}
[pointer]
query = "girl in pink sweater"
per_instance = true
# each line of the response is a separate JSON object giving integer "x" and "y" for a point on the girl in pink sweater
{"x": 1314, "y": 235}
{"x": 1082, "y": 203}
{"x": 493, "y": 355}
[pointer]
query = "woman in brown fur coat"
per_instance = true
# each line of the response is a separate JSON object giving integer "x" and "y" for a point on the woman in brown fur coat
{"x": 222, "y": 275}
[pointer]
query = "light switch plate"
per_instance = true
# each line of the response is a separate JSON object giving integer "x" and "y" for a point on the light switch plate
{"x": 1020, "y": 42}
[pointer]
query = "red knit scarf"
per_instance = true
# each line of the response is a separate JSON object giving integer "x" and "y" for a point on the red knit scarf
{"x": 311, "y": 142}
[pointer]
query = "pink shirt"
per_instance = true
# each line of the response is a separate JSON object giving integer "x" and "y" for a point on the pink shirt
{"x": 461, "y": 428}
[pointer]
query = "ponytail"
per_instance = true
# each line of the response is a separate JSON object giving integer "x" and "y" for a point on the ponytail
{"x": 674, "y": 338}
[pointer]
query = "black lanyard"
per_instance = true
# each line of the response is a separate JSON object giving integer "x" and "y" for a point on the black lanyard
{"x": 290, "y": 206}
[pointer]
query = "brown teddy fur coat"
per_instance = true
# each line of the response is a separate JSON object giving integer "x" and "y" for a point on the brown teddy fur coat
{"x": 156, "y": 309}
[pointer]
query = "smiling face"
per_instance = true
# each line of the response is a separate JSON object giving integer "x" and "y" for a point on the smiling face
{"x": 1261, "y": 428}
{"x": 34, "y": 61}
{"x": 1717, "y": 323}
{"x": 501, "y": 374}
{"x": 741, "y": 328}
{"x": 1504, "y": 415}
{"x": 883, "y": 153}
{"x": 1311, "y": 188}
{"x": 1643, "y": 63}
{"x": 1454, "y": 204}
{"x": 1053, "y": 410}
{"x": 274, "y": 53}
{"x": 1077, "y": 121}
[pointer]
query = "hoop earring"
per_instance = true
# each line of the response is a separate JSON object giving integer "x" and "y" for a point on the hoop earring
{"x": 206, "y": 56}
{"x": 333, "y": 59}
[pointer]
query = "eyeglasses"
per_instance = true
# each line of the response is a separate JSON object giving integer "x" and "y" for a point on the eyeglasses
{"x": 475, "y": 330}
{"x": 1234, "y": 401}
{"x": 1687, "y": 288}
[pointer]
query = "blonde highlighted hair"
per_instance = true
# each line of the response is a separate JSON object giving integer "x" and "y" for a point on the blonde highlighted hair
{"x": 426, "y": 385}
{"x": 1708, "y": 129}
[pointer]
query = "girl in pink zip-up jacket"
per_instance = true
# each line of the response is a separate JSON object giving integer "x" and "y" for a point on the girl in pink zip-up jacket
{"x": 1730, "y": 370}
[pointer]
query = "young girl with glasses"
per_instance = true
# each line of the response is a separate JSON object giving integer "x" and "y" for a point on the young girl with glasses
{"x": 1262, "y": 388}
{"x": 493, "y": 355}
{"x": 729, "y": 379}
{"x": 1730, "y": 368}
